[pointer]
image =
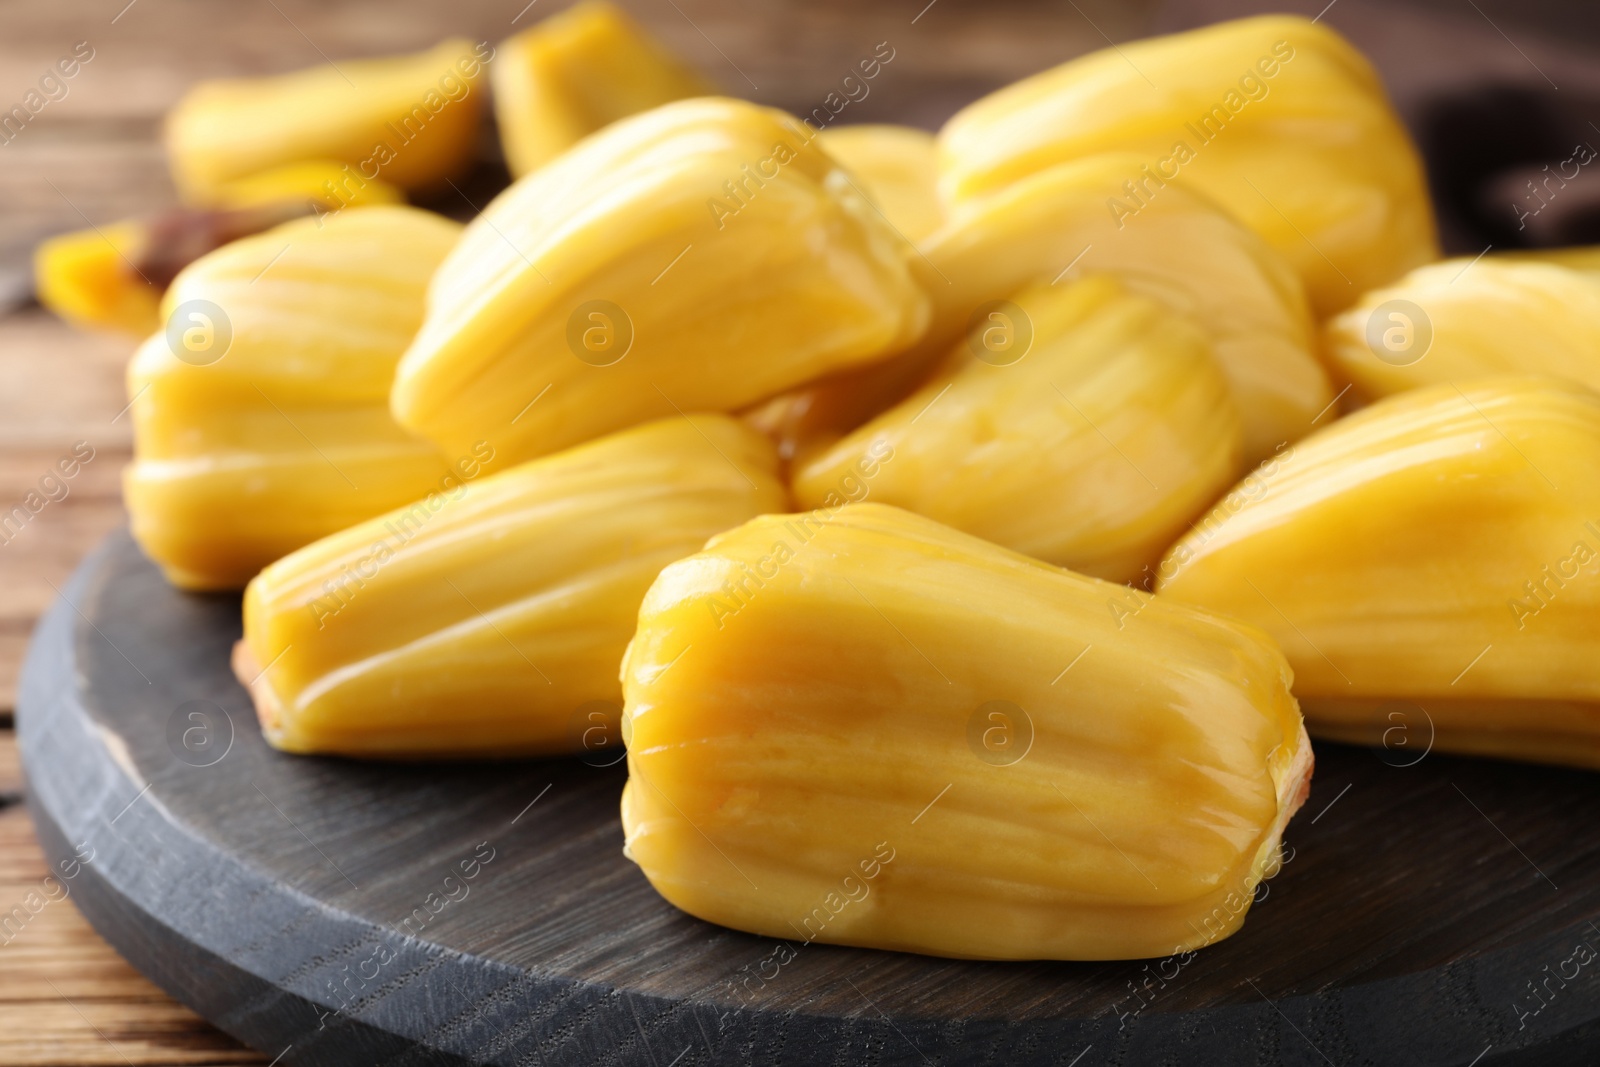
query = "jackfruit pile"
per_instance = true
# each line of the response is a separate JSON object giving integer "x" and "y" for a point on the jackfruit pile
{"x": 986, "y": 515}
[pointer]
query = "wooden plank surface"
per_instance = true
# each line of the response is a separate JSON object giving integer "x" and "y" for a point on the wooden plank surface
{"x": 66, "y": 999}
{"x": 10, "y": 773}
{"x": 57, "y": 389}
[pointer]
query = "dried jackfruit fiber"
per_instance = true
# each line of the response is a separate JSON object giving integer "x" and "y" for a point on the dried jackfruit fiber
{"x": 856, "y": 727}
{"x": 1428, "y": 566}
{"x": 1091, "y": 445}
{"x": 897, "y": 167}
{"x": 1184, "y": 252}
{"x": 410, "y": 121}
{"x": 482, "y": 622}
{"x": 112, "y": 276}
{"x": 1276, "y": 118}
{"x": 260, "y": 414}
{"x": 700, "y": 256}
{"x": 574, "y": 73}
{"x": 1460, "y": 319}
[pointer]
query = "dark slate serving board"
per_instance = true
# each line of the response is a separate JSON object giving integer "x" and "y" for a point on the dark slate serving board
{"x": 1425, "y": 900}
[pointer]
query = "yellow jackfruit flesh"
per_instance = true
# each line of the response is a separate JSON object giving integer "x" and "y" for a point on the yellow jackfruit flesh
{"x": 410, "y": 121}
{"x": 1051, "y": 227}
{"x": 861, "y": 727}
{"x": 1577, "y": 257}
{"x": 1459, "y": 320}
{"x": 574, "y": 73}
{"x": 260, "y": 413}
{"x": 897, "y": 167}
{"x": 697, "y": 257}
{"x": 1428, "y": 565}
{"x": 807, "y": 419}
{"x": 316, "y": 183}
{"x": 1186, "y": 253}
{"x": 489, "y": 620}
{"x": 1276, "y": 118}
{"x": 92, "y": 278}
{"x": 1090, "y": 432}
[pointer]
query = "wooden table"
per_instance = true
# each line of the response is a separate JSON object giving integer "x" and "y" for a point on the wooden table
{"x": 65, "y": 996}
{"x": 94, "y": 156}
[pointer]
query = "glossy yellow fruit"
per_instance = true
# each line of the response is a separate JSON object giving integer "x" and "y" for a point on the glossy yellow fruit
{"x": 1090, "y": 434}
{"x": 1429, "y": 567}
{"x": 1052, "y": 227}
{"x": 897, "y": 167}
{"x": 260, "y": 413}
{"x": 862, "y": 727}
{"x": 1577, "y": 257}
{"x": 93, "y": 278}
{"x": 1276, "y": 118}
{"x": 574, "y": 73}
{"x": 489, "y": 620}
{"x": 318, "y": 184}
{"x": 1459, "y": 320}
{"x": 410, "y": 121}
{"x": 1186, "y": 253}
{"x": 697, "y": 257}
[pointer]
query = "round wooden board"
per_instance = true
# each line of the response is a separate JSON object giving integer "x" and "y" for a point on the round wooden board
{"x": 344, "y": 913}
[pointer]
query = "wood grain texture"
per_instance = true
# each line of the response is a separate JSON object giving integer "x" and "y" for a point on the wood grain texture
{"x": 10, "y": 770}
{"x": 57, "y": 388}
{"x": 66, "y": 998}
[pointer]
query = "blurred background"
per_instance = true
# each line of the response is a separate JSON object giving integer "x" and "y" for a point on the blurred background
{"x": 1499, "y": 93}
